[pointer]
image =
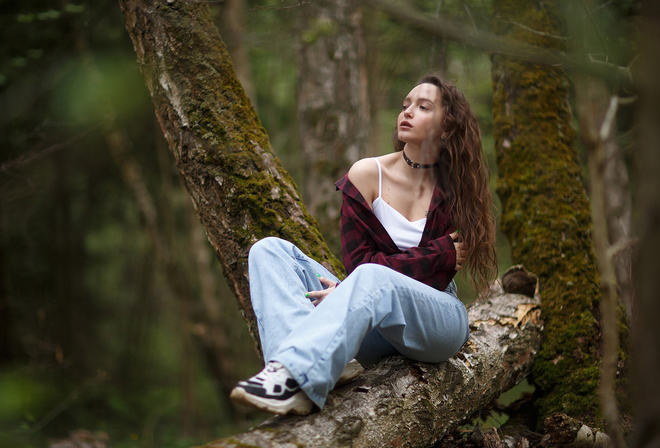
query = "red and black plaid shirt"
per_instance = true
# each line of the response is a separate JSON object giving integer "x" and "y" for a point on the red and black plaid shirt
{"x": 365, "y": 240}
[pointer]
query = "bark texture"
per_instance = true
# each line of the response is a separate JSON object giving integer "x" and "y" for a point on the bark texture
{"x": 545, "y": 210}
{"x": 402, "y": 403}
{"x": 333, "y": 104}
{"x": 647, "y": 266}
{"x": 239, "y": 189}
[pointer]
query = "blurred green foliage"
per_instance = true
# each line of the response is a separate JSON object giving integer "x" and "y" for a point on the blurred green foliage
{"x": 91, "y": 333}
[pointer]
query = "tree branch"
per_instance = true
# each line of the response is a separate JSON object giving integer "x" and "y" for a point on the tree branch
{"x": 459, "y": 32}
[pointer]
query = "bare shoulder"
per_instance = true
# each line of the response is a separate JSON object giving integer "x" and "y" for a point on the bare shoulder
{"x": 364, "y": 175}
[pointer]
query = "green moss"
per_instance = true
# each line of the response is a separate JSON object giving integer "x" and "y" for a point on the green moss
{"x": 546, "y": 213}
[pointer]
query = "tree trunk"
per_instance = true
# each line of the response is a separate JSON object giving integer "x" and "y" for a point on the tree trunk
{"x": 404, "y": 403}
{"x": 593, "y": 105}
{"x": 333, "y": 104}
{"x": 610, "y": 209}
{"x": 239, "y": 188}
{"x": 545, "y": 211}
{"x": 647, "y": 266}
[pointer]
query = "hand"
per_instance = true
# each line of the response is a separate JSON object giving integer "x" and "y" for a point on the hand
{"x": 322, "y": 294}
{"x": 460, "y": 251}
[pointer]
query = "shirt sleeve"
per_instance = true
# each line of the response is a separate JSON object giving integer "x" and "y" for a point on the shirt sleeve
{"x": 432, "y": 264}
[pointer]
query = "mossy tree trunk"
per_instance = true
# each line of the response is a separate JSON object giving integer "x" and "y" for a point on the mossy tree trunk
{"x": 239, "y": 189}
{"x": 545, "y": 210}
{"x": 333, "y": 104}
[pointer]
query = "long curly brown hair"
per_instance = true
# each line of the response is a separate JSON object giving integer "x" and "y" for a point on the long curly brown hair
{"x": 462, "y": 175}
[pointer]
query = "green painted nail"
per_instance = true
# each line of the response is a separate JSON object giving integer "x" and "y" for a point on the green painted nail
{"x": 307, "y": 295}
{"x": 318, "y": 275}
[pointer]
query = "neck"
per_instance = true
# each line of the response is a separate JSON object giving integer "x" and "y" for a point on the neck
{"x": 418, "y": 159}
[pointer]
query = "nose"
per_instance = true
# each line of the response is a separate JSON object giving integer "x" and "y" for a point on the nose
{"x": 407, "y": 112}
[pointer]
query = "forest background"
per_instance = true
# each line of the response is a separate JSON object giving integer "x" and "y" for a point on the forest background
{"x": 108, "y": 287}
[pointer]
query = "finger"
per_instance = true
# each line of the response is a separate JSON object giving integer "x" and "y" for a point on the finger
{"x": 317, "y": 301}
{"x": 315, "y": 294}
{"x": 454, "y": 236}
{"x": 327, "y": 281}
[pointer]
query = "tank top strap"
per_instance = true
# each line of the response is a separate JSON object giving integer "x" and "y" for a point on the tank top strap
{"x": 380, "y": 177}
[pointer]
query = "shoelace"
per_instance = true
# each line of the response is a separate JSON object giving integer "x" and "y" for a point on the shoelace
{"x": 271, "y": 370}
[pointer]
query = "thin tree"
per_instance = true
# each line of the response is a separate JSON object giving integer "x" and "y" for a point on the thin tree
{"x": 333, "y": 105}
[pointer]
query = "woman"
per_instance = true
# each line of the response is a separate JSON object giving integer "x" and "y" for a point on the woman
{"x": 401, "y": 247}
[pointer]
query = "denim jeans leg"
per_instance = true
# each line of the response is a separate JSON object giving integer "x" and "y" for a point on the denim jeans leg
{"x": 420, "y": 322}
{"x": 375, "y": 346}
{"x": 280, "y": 276}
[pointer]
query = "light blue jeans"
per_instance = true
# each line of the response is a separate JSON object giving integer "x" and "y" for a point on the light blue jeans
{"x": 373, "y": 313}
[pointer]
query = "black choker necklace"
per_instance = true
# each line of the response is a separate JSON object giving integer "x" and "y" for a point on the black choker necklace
{"x": 417, "y": 165}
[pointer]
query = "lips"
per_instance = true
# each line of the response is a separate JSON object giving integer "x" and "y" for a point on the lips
{"x": 405, "y": 125}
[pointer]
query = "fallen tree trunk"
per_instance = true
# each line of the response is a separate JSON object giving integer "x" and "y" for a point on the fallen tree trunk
{"x": 406, "y": 404}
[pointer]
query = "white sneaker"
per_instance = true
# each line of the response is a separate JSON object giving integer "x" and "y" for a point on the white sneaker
{"x": 352, "y": 369}
{"x": 273, "y": 390}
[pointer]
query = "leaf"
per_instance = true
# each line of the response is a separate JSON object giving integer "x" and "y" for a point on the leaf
{"x": 527, "y": 312}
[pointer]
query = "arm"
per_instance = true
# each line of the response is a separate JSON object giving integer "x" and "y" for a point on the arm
{"x": 363, "y": 242}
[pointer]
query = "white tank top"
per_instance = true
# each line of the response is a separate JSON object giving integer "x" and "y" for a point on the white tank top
{"x": 404, "y": 233}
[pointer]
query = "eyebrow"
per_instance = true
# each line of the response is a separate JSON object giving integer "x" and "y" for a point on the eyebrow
{"x": 419, "y": 99}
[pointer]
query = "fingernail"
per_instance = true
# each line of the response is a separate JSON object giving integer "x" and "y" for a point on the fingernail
{"x": 307, "y": 295}
{"x": 318, "y": 275}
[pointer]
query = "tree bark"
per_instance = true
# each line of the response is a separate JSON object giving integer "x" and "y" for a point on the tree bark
{"x": 647, "y": 264}
{"x": 239, "y": 189}
{"x": 333, "y": 104}
{"x": 404, "y": 403}
{"x": 545, "y": 210}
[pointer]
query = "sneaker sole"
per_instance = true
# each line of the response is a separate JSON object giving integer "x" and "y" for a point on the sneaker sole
{"x": 299, "y": 404}
{"x": 350, "y": 372}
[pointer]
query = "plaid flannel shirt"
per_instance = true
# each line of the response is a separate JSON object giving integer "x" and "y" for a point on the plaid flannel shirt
{"x": 365, "y": 240}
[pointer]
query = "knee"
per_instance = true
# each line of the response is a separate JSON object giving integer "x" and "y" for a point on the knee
{"x": 266, "y": 245}
{"x": 371, "y": 271}
{"x": 371, "y": 275}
